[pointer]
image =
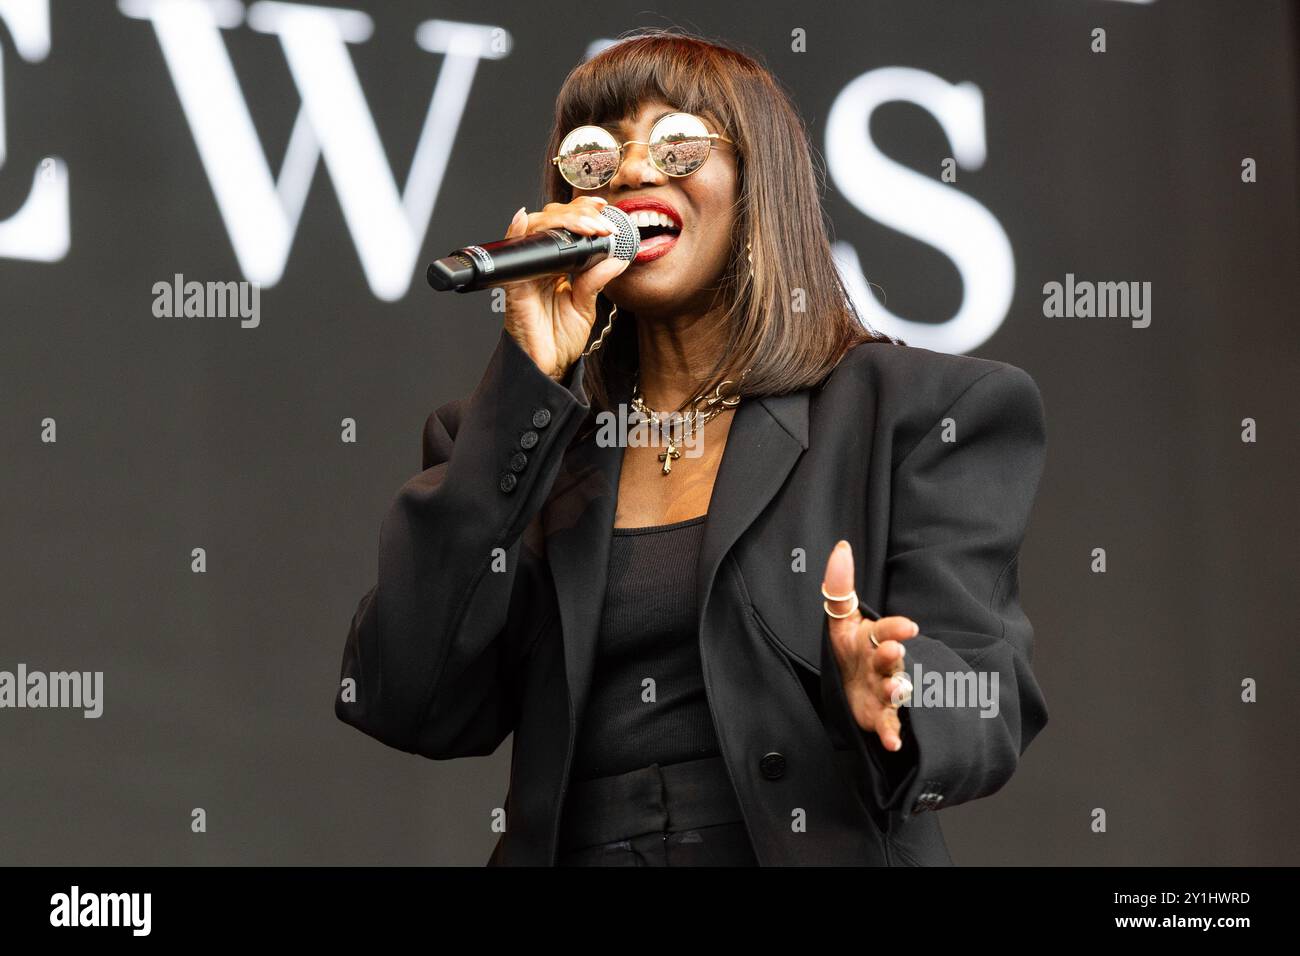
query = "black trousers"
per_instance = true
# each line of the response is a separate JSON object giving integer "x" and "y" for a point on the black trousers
{"x": 682, "y": 814}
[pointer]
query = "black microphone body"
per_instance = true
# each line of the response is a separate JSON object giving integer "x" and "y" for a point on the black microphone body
{"x": 551, "y": 252}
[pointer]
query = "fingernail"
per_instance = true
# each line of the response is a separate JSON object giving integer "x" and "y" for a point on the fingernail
{"x": 844, "y": 544}
{"x": 902, "y": 651}
{"x": 603, "y": 202}
{"x": 916, "y": 629}
{"x": 515, "y": 217}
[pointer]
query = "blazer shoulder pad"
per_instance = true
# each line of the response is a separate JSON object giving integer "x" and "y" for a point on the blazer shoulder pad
{"x": 917, "y": 385}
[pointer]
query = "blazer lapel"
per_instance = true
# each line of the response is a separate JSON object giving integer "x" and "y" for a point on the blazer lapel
{"x": 577, "y": 521}
{"x": 766, "y": 439}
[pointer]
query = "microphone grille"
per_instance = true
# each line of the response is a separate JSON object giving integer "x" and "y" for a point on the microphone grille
{"x": 628, "y": 238}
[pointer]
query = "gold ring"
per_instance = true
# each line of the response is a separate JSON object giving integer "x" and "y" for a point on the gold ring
{"x": 903, "y": 695}
{"x": 832, "y": 597}
{"x": 827, "y": 608}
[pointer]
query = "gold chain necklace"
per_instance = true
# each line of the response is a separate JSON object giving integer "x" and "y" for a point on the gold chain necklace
{"x": 704, "y": 408}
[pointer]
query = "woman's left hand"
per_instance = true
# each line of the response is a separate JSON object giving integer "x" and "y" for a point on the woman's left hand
{"x": 873, "y": 692}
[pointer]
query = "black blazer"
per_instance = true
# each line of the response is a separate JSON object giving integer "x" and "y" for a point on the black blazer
{"x": 449, "y": 656}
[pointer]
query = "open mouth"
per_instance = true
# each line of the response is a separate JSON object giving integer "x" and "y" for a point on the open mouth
{"x": 659, "y": 233}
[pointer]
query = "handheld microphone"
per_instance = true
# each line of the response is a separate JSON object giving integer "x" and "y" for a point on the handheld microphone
{"x": 551, "y": 252}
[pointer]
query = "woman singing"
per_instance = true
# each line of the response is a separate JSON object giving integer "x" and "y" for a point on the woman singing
{"x": 680, "y": 632}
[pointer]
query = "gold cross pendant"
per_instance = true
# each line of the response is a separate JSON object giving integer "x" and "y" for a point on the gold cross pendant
{"x": 668, "y": 456}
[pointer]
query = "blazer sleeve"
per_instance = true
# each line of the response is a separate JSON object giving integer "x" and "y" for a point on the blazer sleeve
{"x": 433, "y": 655}
{"x": 959, "y": 513}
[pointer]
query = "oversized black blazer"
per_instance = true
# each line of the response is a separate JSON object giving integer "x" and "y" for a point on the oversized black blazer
{"x": 492, "y": 566}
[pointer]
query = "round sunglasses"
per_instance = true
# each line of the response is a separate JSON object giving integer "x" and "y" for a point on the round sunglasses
{"x": 680, "y": 143}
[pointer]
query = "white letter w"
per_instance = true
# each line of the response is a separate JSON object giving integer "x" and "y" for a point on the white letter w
{"x": 261, "y": 213}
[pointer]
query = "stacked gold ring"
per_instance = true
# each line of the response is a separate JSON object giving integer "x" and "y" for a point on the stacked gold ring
{"x": 851, "y": 596}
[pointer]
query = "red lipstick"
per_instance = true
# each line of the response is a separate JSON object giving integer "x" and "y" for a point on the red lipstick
{"x": 656, "y": 246}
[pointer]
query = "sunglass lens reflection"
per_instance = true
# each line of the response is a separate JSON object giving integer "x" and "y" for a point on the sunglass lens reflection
{"x": 679, "y": 144}
{"x": 588, "y": 157}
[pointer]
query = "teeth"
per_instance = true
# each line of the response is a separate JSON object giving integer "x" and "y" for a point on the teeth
{"x": 645, "y": 217}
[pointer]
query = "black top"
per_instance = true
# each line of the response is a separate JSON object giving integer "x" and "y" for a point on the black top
{"x": 648, "y": 633}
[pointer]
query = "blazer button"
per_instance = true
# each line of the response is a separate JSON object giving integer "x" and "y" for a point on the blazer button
{"x": 541, "y": 418}
{"x": 508, "y": 482}
{"x": 518, "y": 461}
{"x": 772, "y": 766}
{"x": 528, "y": 440}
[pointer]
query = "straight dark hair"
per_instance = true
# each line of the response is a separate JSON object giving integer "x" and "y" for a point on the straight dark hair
{"x": 789, "y": 318}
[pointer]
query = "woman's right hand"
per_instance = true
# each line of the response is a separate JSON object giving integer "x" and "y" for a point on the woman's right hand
{"x": 550, "y": 317}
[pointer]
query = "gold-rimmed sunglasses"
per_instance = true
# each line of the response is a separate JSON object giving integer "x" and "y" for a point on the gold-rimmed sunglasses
{"x": 679, "y": 144}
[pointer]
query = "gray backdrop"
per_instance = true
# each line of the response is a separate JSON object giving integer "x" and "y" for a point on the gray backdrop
{"x": 177, "y": 433}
